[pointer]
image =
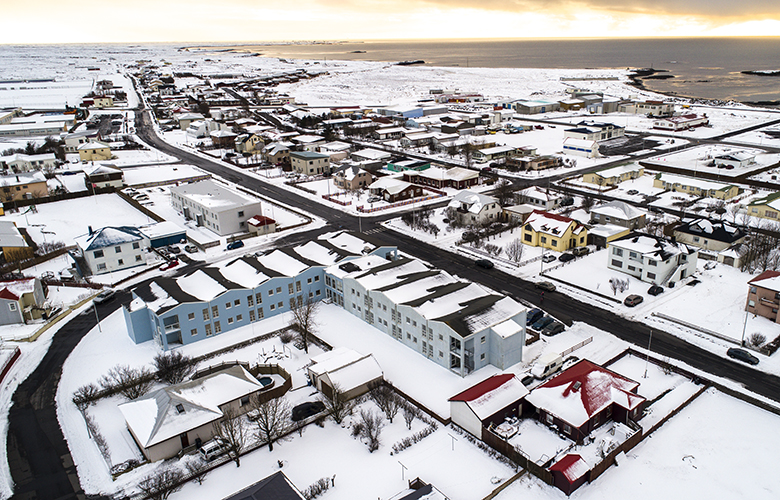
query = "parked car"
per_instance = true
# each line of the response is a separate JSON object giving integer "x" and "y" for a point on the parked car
{"x": 633, "y": 300}
{"x": 213, "y": 449}
{"x": 527, "y": 379}
{"x": 174, "y": 249}
{"x": 234, "y": 244}
{"x": 546, "y": 286}
{"x": 141, "y": 197}
{"x": 541, "y": 323}
{"x": 566, "y": 257}
{"x": 532, "y": 316}
{"x": 742, "y": 355}
{"x": 374, "y": 199}
{"x": 484, "y": 263}
{"x": 548, "y": 258}
{"x": 553, "y": 328}
{"x": 580, "y": 251}
{"x": 655, "y": 290}
{"x": 169, "y": 265}
{"x": 306, "y": 410}
{"x": 632, "y": 192}
{"x": 190, "y": 248}
{"x": 104, "y": 296}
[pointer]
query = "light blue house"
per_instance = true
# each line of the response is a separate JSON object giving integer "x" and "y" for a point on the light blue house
{"x": 217, "y": 299}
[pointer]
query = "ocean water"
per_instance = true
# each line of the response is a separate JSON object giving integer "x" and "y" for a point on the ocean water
{"x": 707, "y": 68}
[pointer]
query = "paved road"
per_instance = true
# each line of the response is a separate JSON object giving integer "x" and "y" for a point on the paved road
{"x": 40, "y": 462}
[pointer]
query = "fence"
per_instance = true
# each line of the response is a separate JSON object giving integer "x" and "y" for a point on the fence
{"x": 516, "y": 456}
{"x": 24, "y": 264}
{"x": 331, "y": 197}
{"x": 398, "y": 204}
{"x": 697, "y": 328}
{"x": 194, "y": 178}
{"x": 577, "y": 346}
{"x": 625, "y": 446}
{"x": 140, "y": 207}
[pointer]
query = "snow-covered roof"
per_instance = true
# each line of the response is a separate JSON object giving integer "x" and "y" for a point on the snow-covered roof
{"x": 572, "y": 466}
{"x": 372, "y": 154}
{"x": 571, "y": 142}
{"x": 108, "y": 236}
{"x": 619, "y": 170}
{"x": 698, "y": 182}
{"x": 22, "y": 178}
{"x": 14, "y": 289}
{"x": 553, "y": 224}
{"x": 536, "y": 193}
{"x": 168, "y": 412}
{"x": 102, "y": 169}
{"x": 771, "y": 200}
{"x": 390, "y": 184}
{"x": 307, "y": 139}
{"x": 768, "y": 279}
{"x": 159, "y": 229}
{"x": 492, "y": 395}
{"x": 283, "y": 263}
{"x": 471, "y": 201}
{"x": 359, "y": 372}
{"x": 92, "y": 145}
{"x": 10, "y": 235}
{"x": 208, "y": 193}
{"x": 200, "y": 285}
{"x": 712, "y": 230}
{"x": 582, "y": 391}
{"x": 619, "y": 210}
{"x": 651, "y": 247}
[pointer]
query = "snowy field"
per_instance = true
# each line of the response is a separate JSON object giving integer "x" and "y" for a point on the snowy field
{"x": 696, "y": 160}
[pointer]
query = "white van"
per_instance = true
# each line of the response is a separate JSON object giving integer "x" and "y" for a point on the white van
{"x": 212, "y": 449}
{"x": 547, "y": 364}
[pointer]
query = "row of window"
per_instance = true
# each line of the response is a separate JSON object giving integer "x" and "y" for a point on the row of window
{"x": 117, "y": 249}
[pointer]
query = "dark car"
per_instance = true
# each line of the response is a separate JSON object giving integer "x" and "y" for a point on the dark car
{"x": 553, "y": 328}
{"x": 173, "y": 249}
{"x": 532, "y": 316}
{"x": 632, "y": 191}
{"x": 235, "y": 244}
{"x": 742, "y": 355}
{"x": 484, "y": 263}
{"x": 545, "y": 285}
{"x": 548, "y": 257}
{"x": 566, "y": 257}
{"x": 655, "y": 290}
{"x": 541, "y": 323}
{"x": 104, "y": 296}
{"x": 527, "y": 379}
{"x": 633, "y": 300}
{"x": 306, "y": 410}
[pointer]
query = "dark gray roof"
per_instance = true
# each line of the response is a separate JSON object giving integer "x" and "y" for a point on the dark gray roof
{"x": 274, "y": 487}
{"x": 457, "y": 320}
{"x": 712, "y": 230}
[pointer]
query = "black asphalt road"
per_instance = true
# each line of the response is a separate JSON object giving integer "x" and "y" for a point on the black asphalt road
{"x": 40, "y": 462}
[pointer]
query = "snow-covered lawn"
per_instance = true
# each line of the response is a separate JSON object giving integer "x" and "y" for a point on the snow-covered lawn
{"x": 160, "y": 173}
{"x": 697, "y": 160}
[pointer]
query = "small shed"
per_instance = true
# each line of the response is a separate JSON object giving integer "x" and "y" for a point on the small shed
{"x": 488, "y": 403}
{"x": 353, "y": 373}
{"x": 260, "y": 224}
{"x": 569, "y": 473}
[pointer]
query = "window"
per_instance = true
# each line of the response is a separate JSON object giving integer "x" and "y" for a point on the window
{"x": 408, "y": 320}
{"x": 528, "y": 237}
{"x": 631, "y": 268}
{"x": 651, "y": 276}
{"x": 292, "y": 302}
{"x": 227, "y": 305}
{"x": 118, "y": 249}
{"x": 278, "y": 289}
{"x": 136, "y": 245}
{"x": 549, "y": 419}
{"x": 308, "y": 281}
{"x": 273, "y": 307}
{"x": 252, "y": 315}
{"x": 97, "y": 254}
{"x": 696, "y": 239}
{"x": 617, "y": 263}
{"x": 408, "y": 335}
{"x": 543, "y": 239}
{"x": 259, "y": 297}
{"x": 632, "y": 255}
{"x": 441, "y": 337}
{"x": 191, "y": 316}
{"x": 241, "y": 214}
{"x": 554, "y": 243}
{"x": 317, "y": 293}
{"x": 482, "y": 340}
{"x": 270, "y": 292}
{"x": 120, "y": 262}
{"x": 237, "y": 302}
{"x": 194, "y": 332}
{"x": 244, "y": 401}
{"x": 280, "y": 305}
{"x": 205, "y": 314}
{"x": 617, "y": 251}
{"x": 217, "y": 327}
{"x": 424, "y": 328}
{"x": 441, "y": 354}
{"x": 566, "y": 429}
{"x": 138, "y": 258}
{"x": 12, "y": 306}
{"x": 652, "y": 263}
{"x": 230, "y": 321}
{"x": 751, "y": 303}
{"x": 290, "y": 288}
{"x": 260, "y": 313}
{"x": 101, "y": 267}
{"x": 250, "y": 301}
{"x": 180, "y": 408}
{"x": 482, "y": 357}
{"x": 316, "y": 278}
{"x": 208, "y": 330}
{"x": 215, "y": 311}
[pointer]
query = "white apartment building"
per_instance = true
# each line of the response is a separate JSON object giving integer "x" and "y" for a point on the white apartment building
{"x": 113, "y": 248}
{"x": 214, "y": 206}
{"x": 652, "y": 259}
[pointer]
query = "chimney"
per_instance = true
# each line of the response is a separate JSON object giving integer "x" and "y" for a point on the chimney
{"x": 90, "y": 230}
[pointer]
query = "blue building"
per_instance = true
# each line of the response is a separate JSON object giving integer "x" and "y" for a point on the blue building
{"x": 217, "y": 299}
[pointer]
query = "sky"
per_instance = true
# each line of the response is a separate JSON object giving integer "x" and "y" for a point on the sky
{"x": 84, "y": 21}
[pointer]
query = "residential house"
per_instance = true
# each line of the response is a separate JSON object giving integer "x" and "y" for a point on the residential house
{"x": 589, "y": 130}
{"x": 392, "y": 190}
{"x": 552, "y": 231}
{"x": 619, "y": 213}
{"x": 407, "y": 164}
{"x": 457, "y": 324}
{"x": 94, "y": 151}
{"x": 472, "y": 208}
{"x": 371, "y": 155}
{"x": 23, "y": 186}
{"x": 309, "y": 163}
{"x": 170, "y": 419}
{"x": 767, "y": 207}
{"x": 200, "y": 129}
{"x": 214, "y": 206}
{"x": 113, "y": 248}
{"x": 652, "y": 259}
{"x": 224, "y": 139}
{"x": 76, "y": 139}
{"x": 351, "y": 373}
{"x": 524, "y": 107}
{"x": 581, "y": 147}
{"x": 738, "y": 159}
{"x": 22, "y": 300}
{"x": 533, "y": 162}
{"x": 14, "y": 246}
{"x": 488, "y": 403}
{"x": 277, "y": 152}
{"x": 714, "y": 236}
{"x": 612, "y": 176}
{"x": 681, "y": 122}
{"x": 277, "y": 486}
{"x": 649, "y": 108}
{"x": 104, "y": 176}
{"x": 696, "y": 186}
{"x": 103, "y": 101}
{"x": 260, "y": 224}
{"x": 540, "y": 198}
{"x": 518, "y": 214}
{"x": 440, "y": 178}
{"x": 249, "y": 143}
{"x": 491, "y": 154}
{"x": 764, "y": 295}
{"x": 19, "y": 162}
{"x": 585, "y": 396}
{"x": 186, "y": 119}
{"x": 163, "y": 234}
{"x": 217, "y": 299}
{"x": 569, "y": 473}
{"x": 388, "y": 133}
{"x": 352, "y": 177}
{"x": 308, "y": 142}
{"x": 337, "y": 150}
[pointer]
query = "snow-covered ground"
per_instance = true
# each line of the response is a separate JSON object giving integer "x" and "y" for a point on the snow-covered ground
{"x": 697, "y": 160}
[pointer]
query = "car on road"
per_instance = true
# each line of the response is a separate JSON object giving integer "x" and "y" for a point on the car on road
{"x": 306, "y": 410}
{"x": 655, "y": 290}
{"x": 632, "y": 192}
{"x": 553, "y": 328}
{"x": 742, "y": 355}
{"x": 484, "y": 263}
{"x": 190, "y": 248}
{"x": 234, "y": 244}
{"x": 566, "y": 257}
{"x": 169, "y": 265}
{"x": 545, "y": 285}
{"x": 104, "y": 296}
{"x": 541, "y": 323}
{"x": 633, "y": 300}
{"x": 548, "y": 258}
{"x": 532, "y": 316}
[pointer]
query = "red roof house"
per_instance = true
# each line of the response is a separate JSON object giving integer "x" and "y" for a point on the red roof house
{"x": 584, "y": 397}
{"x": 489, "y": 402}
{"x": 569, "y": 473}
{"x": 261, "y": 224}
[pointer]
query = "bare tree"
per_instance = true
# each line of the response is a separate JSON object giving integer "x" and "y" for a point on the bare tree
{"x": 505, "y": 192}
{"x": 198, "y": 469}
{"x": 337, "y": 404}
{"x": 85, "y": 396}
{"x": 132, "y": 383}
{"x": 230, "y": 429}
{"x": 372, "y": 428}
{"x": 410, "y": 412}
{"x": 273, "y": 419}
{"x": 756, "y": 340}
{"x": 304, "y": 320}
{"x": 173, "y": 367}
{"x": 383, "y": 394}
{"x": 514, "y": 250}
{"x": 160, "y": 484}
{"x": 587, "y": 202}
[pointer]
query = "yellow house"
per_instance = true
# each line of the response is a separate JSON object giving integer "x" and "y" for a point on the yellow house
{"x": 765, "y": 208}
{"x": 94, "y": 151}
{"x": 103, "y": 101}
{"x": 552, "y": 231}
{"x": 696, "y": 187}
{"x": 612, "y": 176}
{"x": 23, "y": 186}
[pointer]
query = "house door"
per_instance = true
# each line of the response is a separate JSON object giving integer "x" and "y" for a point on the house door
{"x": 185, "y": 440}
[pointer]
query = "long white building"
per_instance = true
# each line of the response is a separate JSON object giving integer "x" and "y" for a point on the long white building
{"x": 214, "y": 206}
